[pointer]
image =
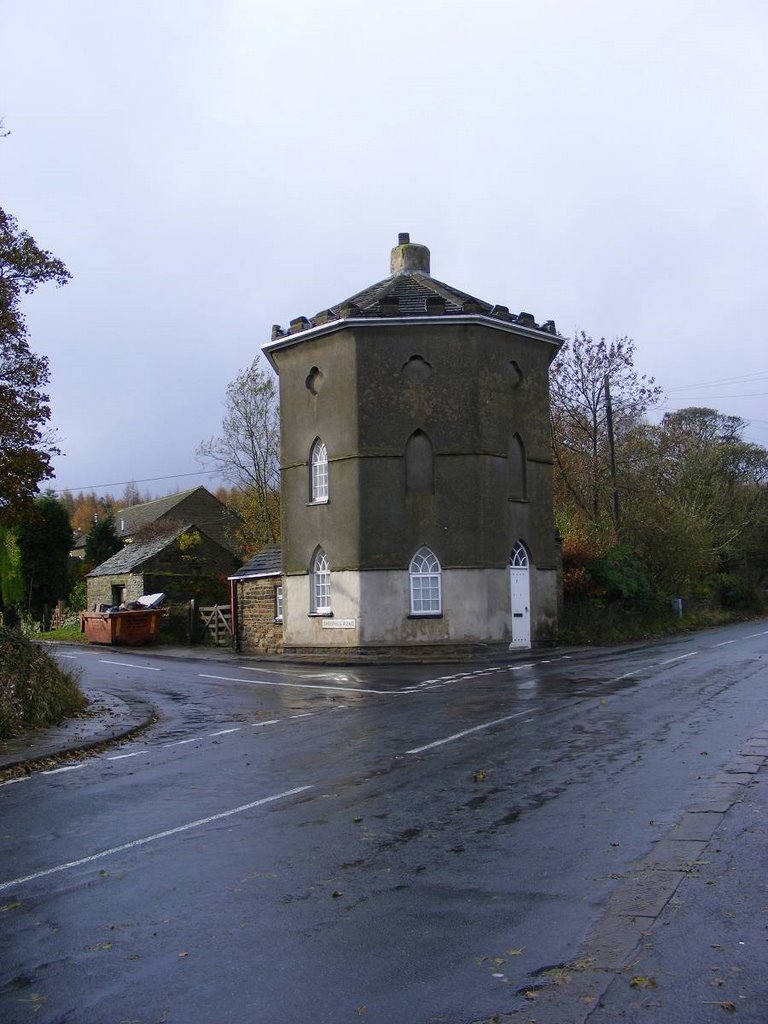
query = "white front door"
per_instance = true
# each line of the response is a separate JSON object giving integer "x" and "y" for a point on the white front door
{"x": 520, "y": 598}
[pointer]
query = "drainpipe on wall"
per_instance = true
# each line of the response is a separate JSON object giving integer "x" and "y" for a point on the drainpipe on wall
{"x": 233, "y": 612}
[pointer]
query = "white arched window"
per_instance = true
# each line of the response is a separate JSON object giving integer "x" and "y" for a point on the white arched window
{"x": 519, "y": 557}
{"x": 426, "y": 583}
{"x": 320, "y": 584}
{"x": 318, "y": 472}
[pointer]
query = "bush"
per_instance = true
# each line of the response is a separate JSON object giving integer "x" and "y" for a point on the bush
{"x": 587, "y": 622}
{"x": 34, "y": 691}
{"x": 736, "y": 592}
{"x": 622, "y": 576}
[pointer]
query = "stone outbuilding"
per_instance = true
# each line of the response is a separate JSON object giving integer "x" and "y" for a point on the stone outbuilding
{"x": 181, "y": 562}
{"x": 257, "y": 602}
{"x": 416, "y": 472}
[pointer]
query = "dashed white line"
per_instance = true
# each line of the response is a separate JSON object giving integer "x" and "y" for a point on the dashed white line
{"x": 127, "y": 664}
{"x": 467, "y": 732}
{"x": 10, "y": 782}
{"x": 66, "y": 768}
{"x": 224, "y": 732}
{"x": 753, "y": 635}
{"x": 725, "y": 643}
{"x": 271, "y": 721}
{"x": 297, "y": 686}
{"x": 122, "y": 757}
{"x": 151, "y": 839}
{"x": 73, "y": 656}
{"x": 180, "y": 743}
{"x": 680, "y": 657}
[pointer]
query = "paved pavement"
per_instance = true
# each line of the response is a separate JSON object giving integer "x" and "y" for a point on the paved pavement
{"x": 684, "y": 937}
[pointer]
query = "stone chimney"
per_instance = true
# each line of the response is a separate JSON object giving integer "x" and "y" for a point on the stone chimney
{"x": 408, "y": 256}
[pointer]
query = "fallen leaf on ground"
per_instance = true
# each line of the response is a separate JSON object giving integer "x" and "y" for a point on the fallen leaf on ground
{"x": 640, "y": 982}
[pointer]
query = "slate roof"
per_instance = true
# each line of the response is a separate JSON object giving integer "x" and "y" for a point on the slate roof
{"x": 196, "y": 506}
{"x": 410, "y": 293}
{"x": 134, "y": 555}
{"x": 135, "y": 517}
{"x": 268, "y": 562}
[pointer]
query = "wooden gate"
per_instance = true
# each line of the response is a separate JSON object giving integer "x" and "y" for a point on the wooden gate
{"x": 214, "y": 621}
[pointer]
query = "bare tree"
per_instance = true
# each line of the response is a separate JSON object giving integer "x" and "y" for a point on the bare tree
{"x": 581, "y": 375}
{"x": 247, "y": 452}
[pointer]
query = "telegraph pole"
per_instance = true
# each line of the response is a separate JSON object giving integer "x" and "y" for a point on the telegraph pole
{"x": 612, "y": 449}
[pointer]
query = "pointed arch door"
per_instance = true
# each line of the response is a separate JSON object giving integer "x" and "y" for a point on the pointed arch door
{"x": 520, "y": 597}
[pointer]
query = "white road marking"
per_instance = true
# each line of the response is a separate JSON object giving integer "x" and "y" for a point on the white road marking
{"x": 10, "y": 782}
{"x": 306, "y": 714}
{"x": 680, "y": 657}
{"x": 224, "y": 732}
{"x": 297, "y": 686}
{"x": 121, "y": 757}
{"x": 66, "y": 768}
{"x": 466, "y": 732}
{"x": 127, "y": 664}
{"x": 753, "y": 635}
{"x": 150, "y": 839}
{"x": 272, "y": 721}
{"x": 725, "y": 643}
{"x": 73, "y": 656}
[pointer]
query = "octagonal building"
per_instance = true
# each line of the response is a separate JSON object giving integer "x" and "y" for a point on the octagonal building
{"x": 416, "y": 472}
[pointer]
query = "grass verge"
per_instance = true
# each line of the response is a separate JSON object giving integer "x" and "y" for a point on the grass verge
{"x": 590, "y": 624}
{"x": 67, "y": 634}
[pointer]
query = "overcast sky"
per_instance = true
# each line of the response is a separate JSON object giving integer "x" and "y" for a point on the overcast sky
{"x": 206, "y": 169}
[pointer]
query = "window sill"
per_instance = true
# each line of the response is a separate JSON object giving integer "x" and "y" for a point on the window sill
{"x": 278, "y": 620}
{"x": 425, "y": 615}
{"x": 320, "y": 614}
{"x": 318, "y": 501}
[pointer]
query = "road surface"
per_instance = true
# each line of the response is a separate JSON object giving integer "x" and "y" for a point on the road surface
{"x": 411, "y": 844}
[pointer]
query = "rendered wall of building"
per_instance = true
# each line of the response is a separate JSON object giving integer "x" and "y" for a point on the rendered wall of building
{"x": 476, "y": 388}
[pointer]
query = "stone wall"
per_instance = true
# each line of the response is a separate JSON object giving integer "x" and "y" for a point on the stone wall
{"x": 257, "y": 629}
{"x": 99, "y": 588}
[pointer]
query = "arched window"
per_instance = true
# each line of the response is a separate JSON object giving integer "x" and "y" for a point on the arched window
{"x": 426, "y": 583}
{"x": 516, "y": 467}
{"x": 419, "y": 464}
{"x": 519, "y": 557}
{"x": 318, "y": 472}
{"x": 319, "y": 584}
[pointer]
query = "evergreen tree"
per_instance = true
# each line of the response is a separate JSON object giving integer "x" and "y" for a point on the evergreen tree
{"x": 45, "y": 540}
{"x": 102, "y": 541}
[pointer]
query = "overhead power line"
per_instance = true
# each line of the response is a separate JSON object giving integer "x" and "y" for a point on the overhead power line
{"x": 144, "y": 480}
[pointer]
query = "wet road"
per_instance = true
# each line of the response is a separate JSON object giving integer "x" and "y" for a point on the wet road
{"x": 407, "y": 844}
